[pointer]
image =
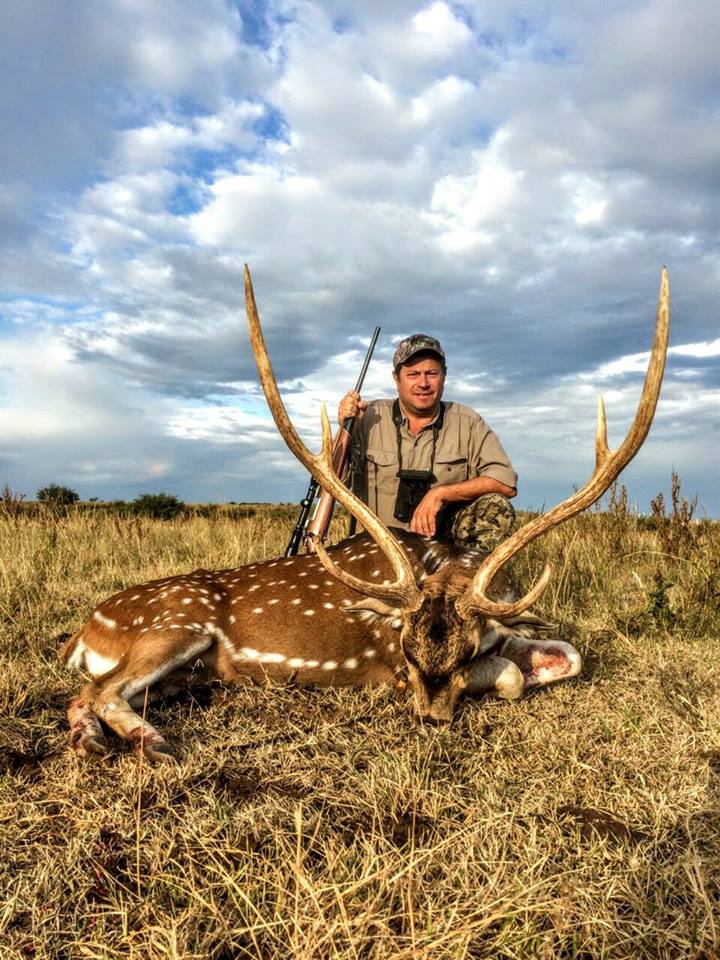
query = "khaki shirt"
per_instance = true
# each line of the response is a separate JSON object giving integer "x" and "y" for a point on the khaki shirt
{"x": 466, "y": 448}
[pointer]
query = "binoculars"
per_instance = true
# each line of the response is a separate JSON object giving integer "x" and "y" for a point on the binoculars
{"x": 413, "y": 486}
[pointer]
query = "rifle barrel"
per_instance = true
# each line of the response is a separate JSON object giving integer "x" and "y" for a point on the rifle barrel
{"x": 368, "y": 358}
{"x": 348, "y": 422}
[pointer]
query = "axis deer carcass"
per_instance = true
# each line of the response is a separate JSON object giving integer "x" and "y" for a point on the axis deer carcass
{"x": 375, "y": 608}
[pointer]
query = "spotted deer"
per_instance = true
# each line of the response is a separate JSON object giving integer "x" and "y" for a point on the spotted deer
{"x": 378, "y": 607}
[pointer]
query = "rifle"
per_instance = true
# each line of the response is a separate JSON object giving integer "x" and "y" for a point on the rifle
{"x": 320, "y": 522}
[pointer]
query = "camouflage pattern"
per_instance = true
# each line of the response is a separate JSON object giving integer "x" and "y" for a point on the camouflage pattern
{"x": 417, "y": 343}
{"x": 481, "y": 524}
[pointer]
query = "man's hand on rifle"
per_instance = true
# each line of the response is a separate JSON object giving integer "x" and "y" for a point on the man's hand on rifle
{"x": 351, "y": 405}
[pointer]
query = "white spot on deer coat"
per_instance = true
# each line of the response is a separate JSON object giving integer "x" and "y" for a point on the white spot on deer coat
{"x": 273, "y": 601}
{"x": 215, "y": 631}
{"x": 329, "y": 665}
{"x": 105, "y": 621}
{"x": 272, "y": 658}
{"x": 295, "y": 663}
{"x": 350, "y": 664}
{"x": 296, "y": 601}
{"x": 257, "y": 609}
{"x": 308, "y": 613}
{"x": 187, "y": 600}
{"x": 329, "y": 606}
{"x": 77, "y": 658}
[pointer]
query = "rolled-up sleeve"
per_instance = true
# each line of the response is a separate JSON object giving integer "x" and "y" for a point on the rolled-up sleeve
{"x": 488, "y": 457}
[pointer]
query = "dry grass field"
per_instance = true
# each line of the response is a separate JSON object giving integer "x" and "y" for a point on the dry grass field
{"x": 581, "y": 822}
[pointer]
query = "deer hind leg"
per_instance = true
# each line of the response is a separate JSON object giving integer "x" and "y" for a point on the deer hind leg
{"x": 111, "y": 696}
{"x": 86, "y": 736}
{"x": 542, "y": 661}
{"x": 495, "y": 674}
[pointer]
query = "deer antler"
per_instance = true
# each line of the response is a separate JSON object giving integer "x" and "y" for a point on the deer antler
{"x": 404, "y": 590}
{"x": 608, "y": 465}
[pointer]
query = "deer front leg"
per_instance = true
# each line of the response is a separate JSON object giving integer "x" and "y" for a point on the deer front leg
{"x": 542, "y": 661}
{"x": 496, "y": 674}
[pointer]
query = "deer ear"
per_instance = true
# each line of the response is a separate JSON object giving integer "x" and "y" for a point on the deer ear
{"x": 371, "y": 609}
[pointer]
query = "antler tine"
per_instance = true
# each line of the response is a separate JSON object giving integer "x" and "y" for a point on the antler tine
{"x": 404, "y": 590}
{"x": 602, "y": 451}
{"x": 608, "y": 465}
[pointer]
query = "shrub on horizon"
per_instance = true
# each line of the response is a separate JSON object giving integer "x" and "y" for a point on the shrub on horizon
{"x": 161, "y": 506}
{"x": 55, "y": 495}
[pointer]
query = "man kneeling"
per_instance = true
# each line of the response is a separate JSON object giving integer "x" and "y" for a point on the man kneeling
{"x": 427, "y": 465}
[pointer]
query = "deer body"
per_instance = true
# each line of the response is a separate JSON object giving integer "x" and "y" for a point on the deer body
{"x": 277, "y": 620}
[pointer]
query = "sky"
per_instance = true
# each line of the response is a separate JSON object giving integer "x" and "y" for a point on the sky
{"x": 507, "y": 176}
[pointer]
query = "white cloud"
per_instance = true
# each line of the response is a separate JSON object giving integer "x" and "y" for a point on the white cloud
{"x": 467, "y": 209}
{"x": 637, "y": 362}
{"x": 437, "y": 32}
{"x": 708, "y": 349}
{"x": 164, "y": 143}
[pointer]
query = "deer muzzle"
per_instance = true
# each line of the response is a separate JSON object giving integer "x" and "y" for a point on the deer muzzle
{"x": 436, "y": 697}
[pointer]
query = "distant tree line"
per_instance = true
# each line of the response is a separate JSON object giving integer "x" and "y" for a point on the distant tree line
{"x": 61, "y": 500}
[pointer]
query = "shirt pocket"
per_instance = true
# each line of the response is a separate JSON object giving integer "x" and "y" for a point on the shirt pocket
{"x": 382, "y": 478}
{"x": 451, "y": 466}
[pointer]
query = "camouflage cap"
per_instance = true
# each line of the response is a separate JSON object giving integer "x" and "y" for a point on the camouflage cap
{"x": 417, "y": 343}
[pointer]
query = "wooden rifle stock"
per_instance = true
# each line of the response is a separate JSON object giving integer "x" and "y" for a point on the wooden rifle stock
{"x": 320, "y": 523}
{"x": 318, "y": 526}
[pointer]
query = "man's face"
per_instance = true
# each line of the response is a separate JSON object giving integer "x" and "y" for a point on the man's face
{"x": 420, "y": 385}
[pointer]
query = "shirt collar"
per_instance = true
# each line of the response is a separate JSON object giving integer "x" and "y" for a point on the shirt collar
{"x": 430, "y": 424}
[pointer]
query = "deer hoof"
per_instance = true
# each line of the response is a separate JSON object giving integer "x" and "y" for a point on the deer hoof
{"x": 89, "y": 747}
{"x": 160, "y": 753}
{"x": 151, "y": 746}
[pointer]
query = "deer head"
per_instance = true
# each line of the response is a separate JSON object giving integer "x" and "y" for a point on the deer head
{"x": 446, "y": 614}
